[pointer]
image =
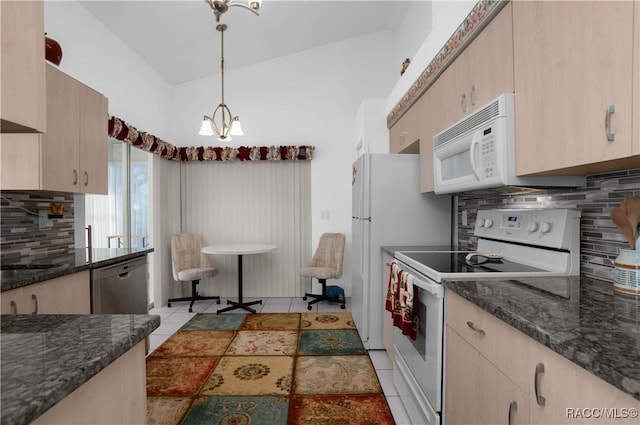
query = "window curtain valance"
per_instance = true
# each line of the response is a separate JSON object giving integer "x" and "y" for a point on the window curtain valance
{"x": 124, "y": 132}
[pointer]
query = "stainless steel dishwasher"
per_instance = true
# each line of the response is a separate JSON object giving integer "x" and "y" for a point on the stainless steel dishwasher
{"x": 120, "y": 288}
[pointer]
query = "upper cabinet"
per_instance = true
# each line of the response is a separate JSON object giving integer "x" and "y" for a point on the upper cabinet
{"x": 74, "y": 149}
{"x": 73, "y": 154}
{"x": 576, "y": 85}
{"x": 403, "y": 136}
{"x": 23, "y": 67}
{"x": 482, "y": 72}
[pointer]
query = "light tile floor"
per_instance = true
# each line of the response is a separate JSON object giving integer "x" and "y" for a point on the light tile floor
{"x": 172, "y": 319}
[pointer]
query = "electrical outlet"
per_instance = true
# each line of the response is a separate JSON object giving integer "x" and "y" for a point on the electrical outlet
{"x": 324, "y": 215}
{"x": 465, "y": 218}
{"x": 43, "y": 221}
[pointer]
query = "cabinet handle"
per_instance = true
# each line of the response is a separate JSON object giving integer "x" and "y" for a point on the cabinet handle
{"x": 539, "y": 371}
{"x": 34, "y": 297}
{"x": 472, "y": 95}
{"x": 86, "y": 178}
{"x": 15, "y": 306}
{"x": 513, "y": 407}
{"x": 75, "y": 177}
{"x": 607, "y": 123}
{"x": 473, "y": 327}
{"x": 463, "y": 102}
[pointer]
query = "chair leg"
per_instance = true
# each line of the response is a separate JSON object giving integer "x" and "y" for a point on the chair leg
{"x": 317, "y": 297}
{"x": 194, "y": 296}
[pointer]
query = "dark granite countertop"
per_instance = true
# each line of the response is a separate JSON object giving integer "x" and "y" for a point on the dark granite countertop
{"x": 584, "y": 320}
{"x": 46, "y": 357}
{"x": 44, "y": 267}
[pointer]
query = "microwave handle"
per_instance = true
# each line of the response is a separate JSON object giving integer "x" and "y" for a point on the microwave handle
{"x": 477, "y": 136}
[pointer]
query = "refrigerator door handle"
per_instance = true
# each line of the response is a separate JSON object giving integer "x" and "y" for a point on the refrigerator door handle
{"x": 362, "y": 218}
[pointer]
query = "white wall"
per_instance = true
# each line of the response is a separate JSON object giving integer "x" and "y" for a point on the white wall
{"x": 310, "y": 98}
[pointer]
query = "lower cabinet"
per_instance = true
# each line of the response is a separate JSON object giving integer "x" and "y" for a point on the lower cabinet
{"x": 68, "y": 294}
{"x": 569, "y": 394}
{"x": 476, "y": 392}
{"x": 537, "y": 385}
{"x": 116, "y": 395}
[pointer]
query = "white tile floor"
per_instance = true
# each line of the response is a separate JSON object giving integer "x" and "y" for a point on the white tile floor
{"x": 173, "y": 318}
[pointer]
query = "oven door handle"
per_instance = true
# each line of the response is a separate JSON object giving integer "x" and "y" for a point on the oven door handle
{"x": 431, "y": 287}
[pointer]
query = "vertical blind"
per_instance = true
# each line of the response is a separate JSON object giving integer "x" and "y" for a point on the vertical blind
{"x": 262, "y": 202}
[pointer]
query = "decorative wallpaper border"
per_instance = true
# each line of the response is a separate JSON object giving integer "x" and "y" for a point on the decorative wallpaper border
{"x": 122, "y": 131}
{"x": 476, "y": 20}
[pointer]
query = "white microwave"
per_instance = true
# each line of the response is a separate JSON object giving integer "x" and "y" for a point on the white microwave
{"x": 478, "y": 152}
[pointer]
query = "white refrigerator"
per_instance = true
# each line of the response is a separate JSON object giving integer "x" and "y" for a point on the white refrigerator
{"x": 388, "y": 210}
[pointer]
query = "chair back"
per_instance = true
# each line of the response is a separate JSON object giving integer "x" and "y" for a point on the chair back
{"x": 330, "y": 253}
{"x": 186, "y": 253}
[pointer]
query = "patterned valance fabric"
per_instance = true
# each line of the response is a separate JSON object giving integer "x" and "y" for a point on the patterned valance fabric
{"x": 120, "y": 130}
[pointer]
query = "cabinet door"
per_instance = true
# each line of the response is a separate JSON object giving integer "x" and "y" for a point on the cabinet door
{"x": 476, "y": 392}
{"x": 93, "y": 141}
{"x": 13, "y": 302}
{"x": 571, "y": 394}
{"x": 432, "y": 120}
{"x": 490, "y": 61}
{"x": 23, "y": 67}
{"x": 572, "y": 60}
{"x": 60, "y": 153}
{"x": 403, "y": 136}
{"x": 20, "y": 161}
{"x": 68, "y": 294}
{"x": 387, "y": 321}
{"x": 503, "y": 345}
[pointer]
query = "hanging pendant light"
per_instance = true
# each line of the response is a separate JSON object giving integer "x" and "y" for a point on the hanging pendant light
{"x": 222, "y": 123}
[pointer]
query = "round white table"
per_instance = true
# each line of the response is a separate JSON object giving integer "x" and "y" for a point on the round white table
{"x": 239, "y": 250}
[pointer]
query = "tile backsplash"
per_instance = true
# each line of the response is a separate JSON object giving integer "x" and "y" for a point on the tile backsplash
{"x": 600, "y": 239}
{"x": 26, "y": 229}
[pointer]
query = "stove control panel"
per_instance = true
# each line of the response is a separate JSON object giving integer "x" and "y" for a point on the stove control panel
{"x": 553, "y": 228}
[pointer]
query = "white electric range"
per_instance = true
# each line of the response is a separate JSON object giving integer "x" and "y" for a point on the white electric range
{"x": 523, "y": 243}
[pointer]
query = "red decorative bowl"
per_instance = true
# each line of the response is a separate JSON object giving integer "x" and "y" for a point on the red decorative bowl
{"x": 52, "y": 50}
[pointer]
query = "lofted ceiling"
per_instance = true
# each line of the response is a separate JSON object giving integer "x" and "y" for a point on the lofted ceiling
{"x": 179, "y": 40}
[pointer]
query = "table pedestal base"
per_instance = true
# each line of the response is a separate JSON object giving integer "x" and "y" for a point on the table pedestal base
{"x": 235, "y": 305}
{"x": 239, "y": 304}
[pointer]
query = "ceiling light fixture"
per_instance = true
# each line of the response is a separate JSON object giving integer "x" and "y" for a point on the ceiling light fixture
{"x": 219, "y": 7}
{"x": 229, "y": 125}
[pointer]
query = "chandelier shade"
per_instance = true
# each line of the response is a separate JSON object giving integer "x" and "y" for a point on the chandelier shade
{"x": 222, "y": 122}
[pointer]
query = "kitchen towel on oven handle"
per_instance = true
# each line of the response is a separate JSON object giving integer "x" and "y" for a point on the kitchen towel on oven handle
{"x": 401, "y": 301}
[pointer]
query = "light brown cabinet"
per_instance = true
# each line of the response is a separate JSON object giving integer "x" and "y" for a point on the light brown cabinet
{"x": 387, "y": 320}
{"x": 74, "y": 150}
{"x": 403, "y": 136}
{"x": 73, "y": 155}
{"x": 68, "y": 294}
{"x": 573, "y": 62}
{"x": 573, "y": 395}
{"x": 476, "y": 391}
{"x": 486, "y": 367}
{"x": 23, "y": 97}
{"x": 490, "y": 365}
{"x": 482, "y": 72}
{"x": 433, "y": 117}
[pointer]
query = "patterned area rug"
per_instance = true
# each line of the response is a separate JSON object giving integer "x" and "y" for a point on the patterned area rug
{"x": 265, "y": 369}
